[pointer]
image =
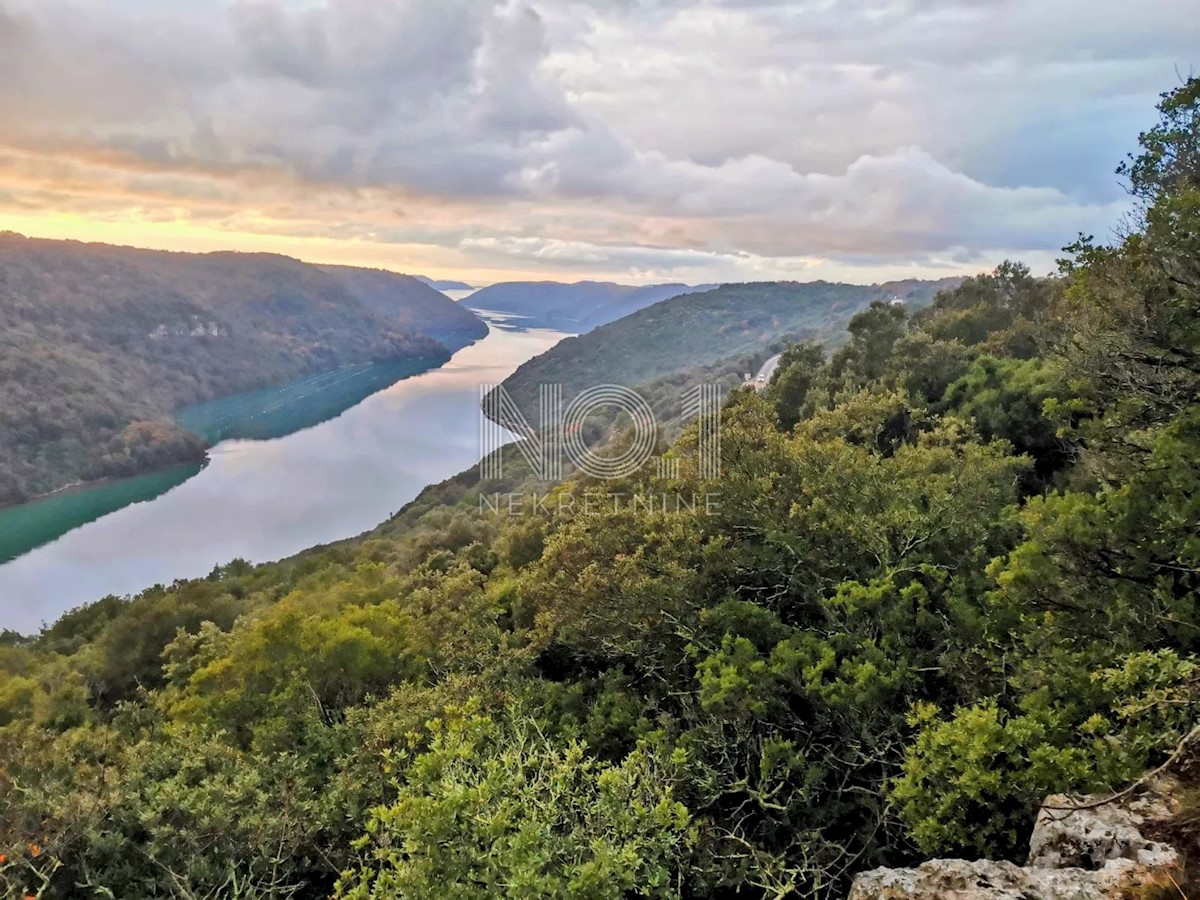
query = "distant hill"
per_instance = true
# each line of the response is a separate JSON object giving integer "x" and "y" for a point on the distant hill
{"x": 444, "y": 285}
{"x": 578, "y": 307}
{"x": 412, "y": 303}
{"x": 685, "y": 332}
{"x": 100, "y": 344}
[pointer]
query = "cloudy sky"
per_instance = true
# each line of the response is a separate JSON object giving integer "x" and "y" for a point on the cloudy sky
{"x": 632, "y": 140}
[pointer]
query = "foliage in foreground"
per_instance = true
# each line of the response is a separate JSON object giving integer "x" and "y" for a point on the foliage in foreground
{"x": 953, "y": 568}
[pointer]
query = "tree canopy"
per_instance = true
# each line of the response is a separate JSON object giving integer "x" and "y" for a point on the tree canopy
{"x": 953, "y": 568}
{"x": 100, "y": 345}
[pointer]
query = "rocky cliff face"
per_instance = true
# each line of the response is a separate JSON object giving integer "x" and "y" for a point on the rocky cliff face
{"x": 1081, "y": 849}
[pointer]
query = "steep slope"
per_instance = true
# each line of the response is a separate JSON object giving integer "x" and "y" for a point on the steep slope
{"x": 578, "y": 307}
{"x": 99, "y": 344}
{"x": 413, "y": 304}
{"x": 698, "y": 329}
{"x": 876, "y": 646}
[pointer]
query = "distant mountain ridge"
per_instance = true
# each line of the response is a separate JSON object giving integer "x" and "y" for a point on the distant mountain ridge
{"x": 693, "y": 330}
{"x": 412, "y": 303}
{"x": 441, "y": 285}
{"x": 99, "y": 345}
{"x": 577, "y": 307}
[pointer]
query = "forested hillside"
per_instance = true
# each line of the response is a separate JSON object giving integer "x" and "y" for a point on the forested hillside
{"x": 467, "y": 491}
{"x": 444, "y": 284}
{"x": 412, "y": 304}
{"x": 99, "y": 344}
{"x": 693, "y": 330}
{"x": 576, "y": 308}
{"x": 953, "y": 568}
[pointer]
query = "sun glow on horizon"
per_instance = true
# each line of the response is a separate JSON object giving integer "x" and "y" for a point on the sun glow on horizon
{"x": 182, "y": 236}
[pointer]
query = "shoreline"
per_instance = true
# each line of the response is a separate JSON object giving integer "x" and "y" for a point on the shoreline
{"x": 426, "y": 364}
{"x": 256, "y": 416}
{"x": 83, "y": 486}
{"x": 261, "y": 500}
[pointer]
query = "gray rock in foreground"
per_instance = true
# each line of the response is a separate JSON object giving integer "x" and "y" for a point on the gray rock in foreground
{"x": 1090, "y": 853}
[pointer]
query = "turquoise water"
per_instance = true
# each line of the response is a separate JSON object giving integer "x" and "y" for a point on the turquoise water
{"x": 260, "y": 497}
{"x": 24, "y": 528}
{"x": 280, "y": 411}
{"x": 258, "y": 415}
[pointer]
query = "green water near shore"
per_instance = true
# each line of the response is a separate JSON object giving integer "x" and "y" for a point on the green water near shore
{"x": 258, "y": 415}
{"x": 26, "y": 527}
{"x": 279, "y": 411}
{"x": 260, "y": 500}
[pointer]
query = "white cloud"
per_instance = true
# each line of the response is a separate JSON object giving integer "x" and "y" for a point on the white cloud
{"x": 737, "y": 135}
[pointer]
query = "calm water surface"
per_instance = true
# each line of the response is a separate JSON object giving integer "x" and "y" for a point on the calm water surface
{"x": 267, "y": 499}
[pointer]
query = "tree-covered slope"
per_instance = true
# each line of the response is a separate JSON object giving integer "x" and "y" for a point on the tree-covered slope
{"x": 699, "y": 329}
{"x": 951, "y": 567}
{"x": 444, "y": 284}
{"x": 411, "y": 303}
{"x": 578, "y": 307}
{"x": 665, "y": 396}
{"x": 99, "y": 344}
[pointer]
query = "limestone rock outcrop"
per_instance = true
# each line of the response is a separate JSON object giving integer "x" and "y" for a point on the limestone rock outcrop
{"x": 1081, "y": 849}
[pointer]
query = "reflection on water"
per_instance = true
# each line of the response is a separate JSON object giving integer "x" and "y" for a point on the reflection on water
{"x": 286, "y": 409}
{"x": 267, "y": 499}
{"x": 22, "y": 528}
{"x": 260, "y": 415}
{"x": 515, "y": 322}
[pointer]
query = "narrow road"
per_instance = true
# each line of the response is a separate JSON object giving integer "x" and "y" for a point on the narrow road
{"x": 766, "y": 373}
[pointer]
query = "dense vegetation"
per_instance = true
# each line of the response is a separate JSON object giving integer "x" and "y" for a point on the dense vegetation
{"x": 954, "y": 567}
{"x": 404, "y": 300}
{"x": 701, "y": 329}
{"x": 576, "y": 308}
{"x": 99, "y": 345}
{"x": 439, "y": 505}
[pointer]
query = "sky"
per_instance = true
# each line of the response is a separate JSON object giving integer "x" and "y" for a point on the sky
{"x": 625, "y": 140}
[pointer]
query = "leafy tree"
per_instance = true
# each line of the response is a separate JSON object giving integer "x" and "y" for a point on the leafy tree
{"x": 1007, "y": 399}
{"x": 972, "y": 783}
{"x": 926, "y": 366}
{"x": 126, "y": 655}
{"x": 873, "y": 333}
{"x": 990, "y": 309}
{"x": 795, "y": 376}
{"x": 492, "y": 807}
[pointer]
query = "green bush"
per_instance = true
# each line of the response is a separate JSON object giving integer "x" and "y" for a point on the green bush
{"x": 493, "y": 808}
